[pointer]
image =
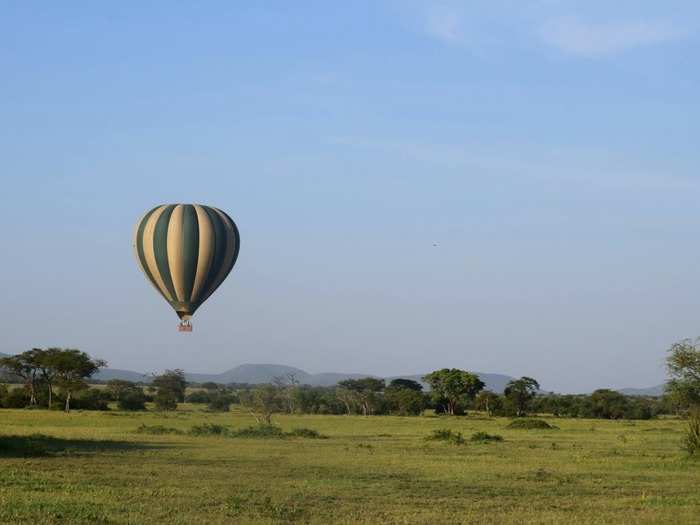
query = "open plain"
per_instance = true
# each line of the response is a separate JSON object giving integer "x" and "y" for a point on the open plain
{"x": 97, "y": 467}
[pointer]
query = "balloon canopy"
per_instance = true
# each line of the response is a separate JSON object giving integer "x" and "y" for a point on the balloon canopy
{"x": 186, "y": 251}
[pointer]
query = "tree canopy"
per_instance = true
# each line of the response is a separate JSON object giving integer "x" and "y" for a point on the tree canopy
{"x": 683, "y": 365}
{"x": 520, "y": 392}
{"x": 453, "y": 385}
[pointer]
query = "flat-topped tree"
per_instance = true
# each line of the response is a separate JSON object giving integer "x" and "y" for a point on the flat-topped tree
{"x": 365, "y": 390}
{"x": 24, "y": 366}
{"x": 405, "y": 384}
{"x": 71, "y": 369}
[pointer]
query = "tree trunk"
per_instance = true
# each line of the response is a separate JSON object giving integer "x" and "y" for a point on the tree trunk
{"x": 450, "y": 407}
{"x": 32, "y": 395}
{"x": 50, "y": 395}
{"x": 68, "y": 401}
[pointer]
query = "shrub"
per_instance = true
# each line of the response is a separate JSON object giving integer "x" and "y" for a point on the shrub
{"x": 260, "y": 431}
{"x": 132, "y": 399}
{"x": 157, "y": 430}
{"x": 530, "y": 424}
{"x": 210, "y": 429}
{"x": 484, "y": 437}
{"x": 219, "y": 402}
{"x": 15, "y": 398}
{"x": 165, "y": 400}
{"x": 445, "y": 434}
{"x": 306, "y": 433}
{"x": 90, "y": 399}
{"x": 198, "y": 396}
{"x": 692, "y": 437}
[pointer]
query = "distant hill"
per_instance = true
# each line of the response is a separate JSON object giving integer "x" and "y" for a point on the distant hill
{"x": 127, "y": 375}
{"x": 655, "y": 391}
{"x": 265, "y": 373}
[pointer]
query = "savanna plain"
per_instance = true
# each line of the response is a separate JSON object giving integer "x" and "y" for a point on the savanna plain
{"x": 149, "y": 467}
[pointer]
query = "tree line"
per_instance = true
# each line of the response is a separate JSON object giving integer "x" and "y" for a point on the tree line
{"x": 44, "y": 371}
{"x": 63, "y": 374}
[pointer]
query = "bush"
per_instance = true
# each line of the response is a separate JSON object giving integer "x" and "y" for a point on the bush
{"x": 530, "y": 424}
{"x": 210, "y": 429}
{"x": 219, "y": 402}
{"x": 404, "y": 401}
{"x": 15, "y": 398}
{"x": 199, "y": 396}
{"x": 306, "y": 433}
{"x": 445, "y": 434}
{"x": 90, "y": 399}
{"x": 157, "y": 430}
{"x": 260, "y": 431}
{"x": 691, "y": 441}
{"x": 484, "y": 437}
{"x": 132, "y": 399}
{"x": 165, "y": 400}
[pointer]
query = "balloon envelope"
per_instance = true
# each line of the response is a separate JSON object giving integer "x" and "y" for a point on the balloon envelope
{"x": 186, "y": 251}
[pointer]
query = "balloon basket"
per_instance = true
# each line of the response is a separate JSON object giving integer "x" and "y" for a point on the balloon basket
{"x": 184, "y": 326}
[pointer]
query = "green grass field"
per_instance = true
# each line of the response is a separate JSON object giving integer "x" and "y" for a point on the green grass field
{"x": 95, "y": 468}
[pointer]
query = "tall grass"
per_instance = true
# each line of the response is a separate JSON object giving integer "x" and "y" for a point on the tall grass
{"x": 692, "y": 437}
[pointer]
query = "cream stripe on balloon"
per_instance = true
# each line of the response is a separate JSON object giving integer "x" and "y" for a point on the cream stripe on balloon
{"x": 206, "y": 251}
{"x": 149, "y": 254}
{"x": 175, "y": 261}
{"x": 136, "y": 250}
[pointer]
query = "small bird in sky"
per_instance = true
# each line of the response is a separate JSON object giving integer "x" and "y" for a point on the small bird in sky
{"x": 435, "y": 244}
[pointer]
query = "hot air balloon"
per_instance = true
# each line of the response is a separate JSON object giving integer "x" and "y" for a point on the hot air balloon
{"x": 186, "y": 251}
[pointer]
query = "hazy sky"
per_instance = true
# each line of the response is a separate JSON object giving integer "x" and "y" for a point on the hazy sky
{"x": 549, "y": 147}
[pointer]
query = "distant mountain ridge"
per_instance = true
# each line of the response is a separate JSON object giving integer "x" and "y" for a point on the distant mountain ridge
{"x": 266, "y": 372}
{"x": 654, "y": 391}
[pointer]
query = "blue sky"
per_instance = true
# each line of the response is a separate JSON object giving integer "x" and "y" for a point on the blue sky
{"x": 548, "y": 147}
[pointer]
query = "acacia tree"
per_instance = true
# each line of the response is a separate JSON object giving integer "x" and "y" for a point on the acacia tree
{"x": 409, "y": 384}
{"x": 683, "y": 365}
{"x": 170, "y": 389}
{"x": 262, "y": 402}
{"x": 288, "y": 386}
{"x": 71, "y": 368}
{"x": 349, "y": 398}
{"x": 520, "y": 392}
{"x": 453, "y": 385}
{"x": 45, "y": 361}
{"x": 488, "y": 402}
{"x": 608, "y": 404}
{"x": 25, "y": 367}
{"x": 404, "y": 398}
{"x": 365, "y": 390}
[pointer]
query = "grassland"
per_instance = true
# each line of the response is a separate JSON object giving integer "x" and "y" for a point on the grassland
{"x": 96, "y": 468}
